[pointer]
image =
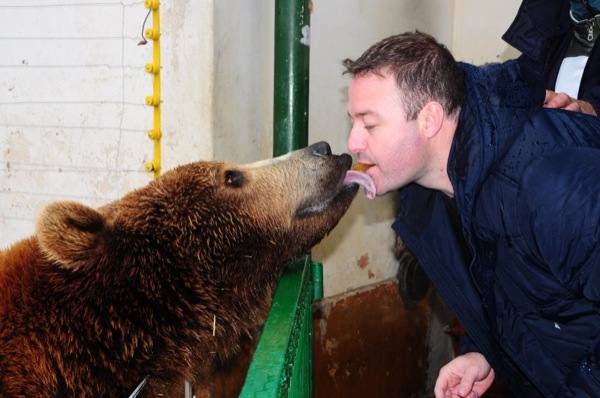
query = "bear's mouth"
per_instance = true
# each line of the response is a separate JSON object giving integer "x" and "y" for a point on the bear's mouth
{"x": 336, "y": 190}
{"x": 345, "y": 192}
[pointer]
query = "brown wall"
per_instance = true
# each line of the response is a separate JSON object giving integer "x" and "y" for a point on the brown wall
{"x": 366, "y": 344}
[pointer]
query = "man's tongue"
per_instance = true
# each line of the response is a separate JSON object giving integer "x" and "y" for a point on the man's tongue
{"x": 362, "y": 179}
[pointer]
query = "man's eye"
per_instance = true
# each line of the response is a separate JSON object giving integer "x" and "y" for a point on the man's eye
{"x": 369, "y": 127}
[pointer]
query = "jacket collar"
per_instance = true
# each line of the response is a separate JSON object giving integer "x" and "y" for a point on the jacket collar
{"x": 499, "y": 100}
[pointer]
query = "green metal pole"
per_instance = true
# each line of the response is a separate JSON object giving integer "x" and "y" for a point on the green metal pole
{"x": 290, "y": 112}
{"x": 282, "y": 363}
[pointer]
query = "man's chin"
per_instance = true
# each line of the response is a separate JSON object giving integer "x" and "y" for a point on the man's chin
{"x": 382, "y": 189}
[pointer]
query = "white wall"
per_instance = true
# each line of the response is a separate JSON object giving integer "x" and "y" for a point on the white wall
{"x": 478, "y": 26}
{"x": 243, "y": 79}
{"x": 73, "y": 124}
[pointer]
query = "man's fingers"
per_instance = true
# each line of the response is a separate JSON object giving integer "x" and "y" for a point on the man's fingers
{"x": 443, "y": 383}
{"x": 551, "y": 100}
{"x": 466, "y": 384}
{"x": 557, "y": 100}
{"x": 441, "y": 386}
{"x": 573, "y": 106}
{"x": 586, "y": 107}
{"x": 482, "y": 386}
{"x": 563, "y": 101}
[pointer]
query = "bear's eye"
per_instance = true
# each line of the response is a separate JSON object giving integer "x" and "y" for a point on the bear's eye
{"x": 234, "y": 178}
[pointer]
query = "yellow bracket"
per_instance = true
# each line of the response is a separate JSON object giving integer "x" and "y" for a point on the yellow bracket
{"x": 152, "y": 69}
{"x": 153, "y": 100}
{"x": 151, "y": 4}
{"x": 154, "y": 134}
{"x": 151, "y": 33}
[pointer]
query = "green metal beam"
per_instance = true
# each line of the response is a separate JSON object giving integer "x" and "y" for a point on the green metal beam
{"x": 290, "y": 107}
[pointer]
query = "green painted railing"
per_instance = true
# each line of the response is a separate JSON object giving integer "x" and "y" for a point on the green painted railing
{"x": 282, "y": 363}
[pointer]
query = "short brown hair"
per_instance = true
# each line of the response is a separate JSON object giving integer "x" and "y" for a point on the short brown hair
{"x": 423, "y": 68}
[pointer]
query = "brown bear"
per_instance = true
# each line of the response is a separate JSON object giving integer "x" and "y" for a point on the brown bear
{"x": 164, "y": 283}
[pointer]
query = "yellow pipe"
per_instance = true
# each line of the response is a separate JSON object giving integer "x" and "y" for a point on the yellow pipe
{"x": 155, "y": 133}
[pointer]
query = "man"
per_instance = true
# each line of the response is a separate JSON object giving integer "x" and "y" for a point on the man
{"x": 499, "y": 201}
{"x": 562, "y": 36}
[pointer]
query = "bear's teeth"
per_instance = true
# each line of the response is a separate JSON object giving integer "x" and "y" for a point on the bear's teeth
{"x": 362, "y": 179}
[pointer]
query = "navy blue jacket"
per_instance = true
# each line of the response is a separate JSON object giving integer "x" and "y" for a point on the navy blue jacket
{"x": 542, "y": 31}
{"x": 527, "y": 187}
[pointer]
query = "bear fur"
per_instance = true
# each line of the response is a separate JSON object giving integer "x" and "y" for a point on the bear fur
{"x": 97, "y": 300}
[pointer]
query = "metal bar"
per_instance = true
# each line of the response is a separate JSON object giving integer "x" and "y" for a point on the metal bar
{"x": 290, "y": 106}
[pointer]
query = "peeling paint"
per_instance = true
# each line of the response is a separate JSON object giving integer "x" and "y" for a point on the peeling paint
{"x": 363, "y": 261}
{"x": 330, "y": 346}
{"x": 305, "y": 39}
{"x": 332, "y": 370}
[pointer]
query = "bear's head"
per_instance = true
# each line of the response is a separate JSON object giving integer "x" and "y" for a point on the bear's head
{"x": 206, "y": 221}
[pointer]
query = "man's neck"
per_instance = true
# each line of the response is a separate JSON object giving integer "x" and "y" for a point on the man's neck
{"x": 436, "y": 176}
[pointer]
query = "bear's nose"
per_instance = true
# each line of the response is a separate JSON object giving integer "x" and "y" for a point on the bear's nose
{"x": 320, "y": 149}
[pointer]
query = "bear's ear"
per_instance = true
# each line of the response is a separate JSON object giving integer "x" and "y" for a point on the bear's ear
{"x": 71, "y": 234}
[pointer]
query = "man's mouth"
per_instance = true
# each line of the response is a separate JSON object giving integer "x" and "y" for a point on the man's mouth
{"x": 362, "y": 179}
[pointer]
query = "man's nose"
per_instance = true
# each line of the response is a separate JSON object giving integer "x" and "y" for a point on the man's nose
{"x": 356, "y": 141}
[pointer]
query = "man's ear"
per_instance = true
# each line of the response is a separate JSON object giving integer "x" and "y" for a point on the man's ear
{"x": 72, "y": 234}
{"x": 430, "y": 119}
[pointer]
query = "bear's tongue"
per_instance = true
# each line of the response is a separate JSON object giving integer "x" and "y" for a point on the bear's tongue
{"x": 362, "y": 179}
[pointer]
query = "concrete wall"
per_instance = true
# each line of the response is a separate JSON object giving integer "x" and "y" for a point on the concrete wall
{"x": 243, "y": 80}
{"x": 478, "y": 26}
{"x": 73, "y": 124}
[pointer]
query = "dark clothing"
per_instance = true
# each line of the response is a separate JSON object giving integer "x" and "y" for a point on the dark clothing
{"x": 527, "y": 188}
{"x": 542, "y": 31}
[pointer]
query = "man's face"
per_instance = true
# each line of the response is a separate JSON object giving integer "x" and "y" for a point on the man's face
{"x": 380, "y": 133}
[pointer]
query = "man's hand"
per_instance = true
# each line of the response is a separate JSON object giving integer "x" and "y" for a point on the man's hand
{"x": 563, "y": 101}
{"x": 466, "y": 376}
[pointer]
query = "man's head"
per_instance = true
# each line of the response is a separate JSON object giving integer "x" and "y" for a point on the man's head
{"x": 423, "y": 69}
{"x": 403, "y": 88}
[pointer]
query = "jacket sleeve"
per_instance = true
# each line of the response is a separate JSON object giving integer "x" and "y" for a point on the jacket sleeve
{"x": 537, "y": 24}
{"x": 465, "y": 345}
{"x": 560, "y": 211}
